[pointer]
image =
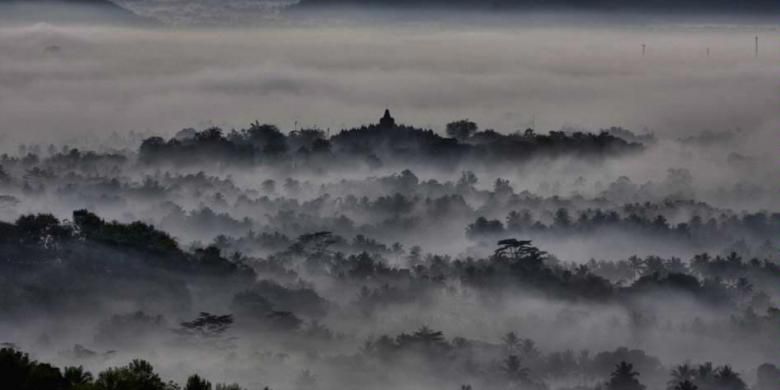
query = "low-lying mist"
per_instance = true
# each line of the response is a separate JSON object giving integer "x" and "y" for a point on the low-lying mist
{"x": 587, "y": 206}
{"x": 94, "y": 80}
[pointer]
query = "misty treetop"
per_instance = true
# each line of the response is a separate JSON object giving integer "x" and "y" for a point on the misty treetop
{"x": 386, "y": 257}
{"x": 374, "y": 145}
{"x": 607, "y": 219}
{"x": 276, "y": 297}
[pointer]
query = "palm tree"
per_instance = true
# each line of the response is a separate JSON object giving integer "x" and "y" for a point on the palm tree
{"x": 768, "y": 377}
{"x": 77, "y": 376}
{"x": 197, "y": 383}
{"x": 704, "y": 375}
{"x": 728, "y": 379}
{"x": 685, "y": 385}
{"x": 624, "y": 378}
{"x": 681, "y": 373}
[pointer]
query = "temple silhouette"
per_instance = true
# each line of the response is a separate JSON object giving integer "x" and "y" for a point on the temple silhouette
{"x": 387, "y": 121}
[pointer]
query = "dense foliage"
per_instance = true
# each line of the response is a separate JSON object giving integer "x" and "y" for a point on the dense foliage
{"x": 384, "y": 257}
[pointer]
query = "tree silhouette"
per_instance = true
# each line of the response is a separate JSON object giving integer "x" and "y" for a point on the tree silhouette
{"x": 78, "y": 378}
{"x": 705, "y": 375}
{"x": 195, "y": 382}
{"x": 685, "y": 385}
{"x": 462, "y": 129}
{"x": 511, "y": 342}
{"x": 314, "y": 244}
{"x": 514, "y": 370}
{"x": 19, "y": 372}
{"x": 768, "y": 377}
{"x": 682, "y": 373}
{"x": 624, "y": 378}
{"x": 728, "y": 379}
{"x": 139, "y": 374}
{"x": 207, "y": 325}
{"x": 518, "y": 250}
{"x": 233, "y": 386}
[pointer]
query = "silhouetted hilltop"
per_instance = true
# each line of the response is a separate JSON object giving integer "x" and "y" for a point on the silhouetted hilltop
{"x": 377, "y": 144}
{"x": 672, "y": 6}
{"x": 68, "y": 11}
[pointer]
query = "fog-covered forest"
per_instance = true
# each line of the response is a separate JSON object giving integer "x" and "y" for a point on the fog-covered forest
{"x": 310, "y": 206}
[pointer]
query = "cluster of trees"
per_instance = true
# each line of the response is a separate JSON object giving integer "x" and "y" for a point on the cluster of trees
{"x": 375, "y": 144}
{"x": 52, "y": 266}
{"x": 398, "y": 207}
{"x": 19, "y": 372}
{"x": 299, "y": 271}
{"x": 731, "y": 268}
{"x": 83, "y": 242}
{"x": 708, "y": 230}
{"x": 518, "y": 363}
{"x": 748, "y": 233}
{"x": 283, "y": 304}
{"x": 517, "y": 263}
{"x": 760, "y": 225}
{"x": 31, "y": 236}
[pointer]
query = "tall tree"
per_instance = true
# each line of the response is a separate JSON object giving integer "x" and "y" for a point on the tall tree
{"x": 195, "y": 382}
{"x": 462, "y": 129}
{"x": 624, "y": 378}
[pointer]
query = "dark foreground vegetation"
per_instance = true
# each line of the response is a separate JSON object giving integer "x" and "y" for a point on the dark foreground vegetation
{"x": 22, "y": 373}
{"x": 88, "y": 266}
